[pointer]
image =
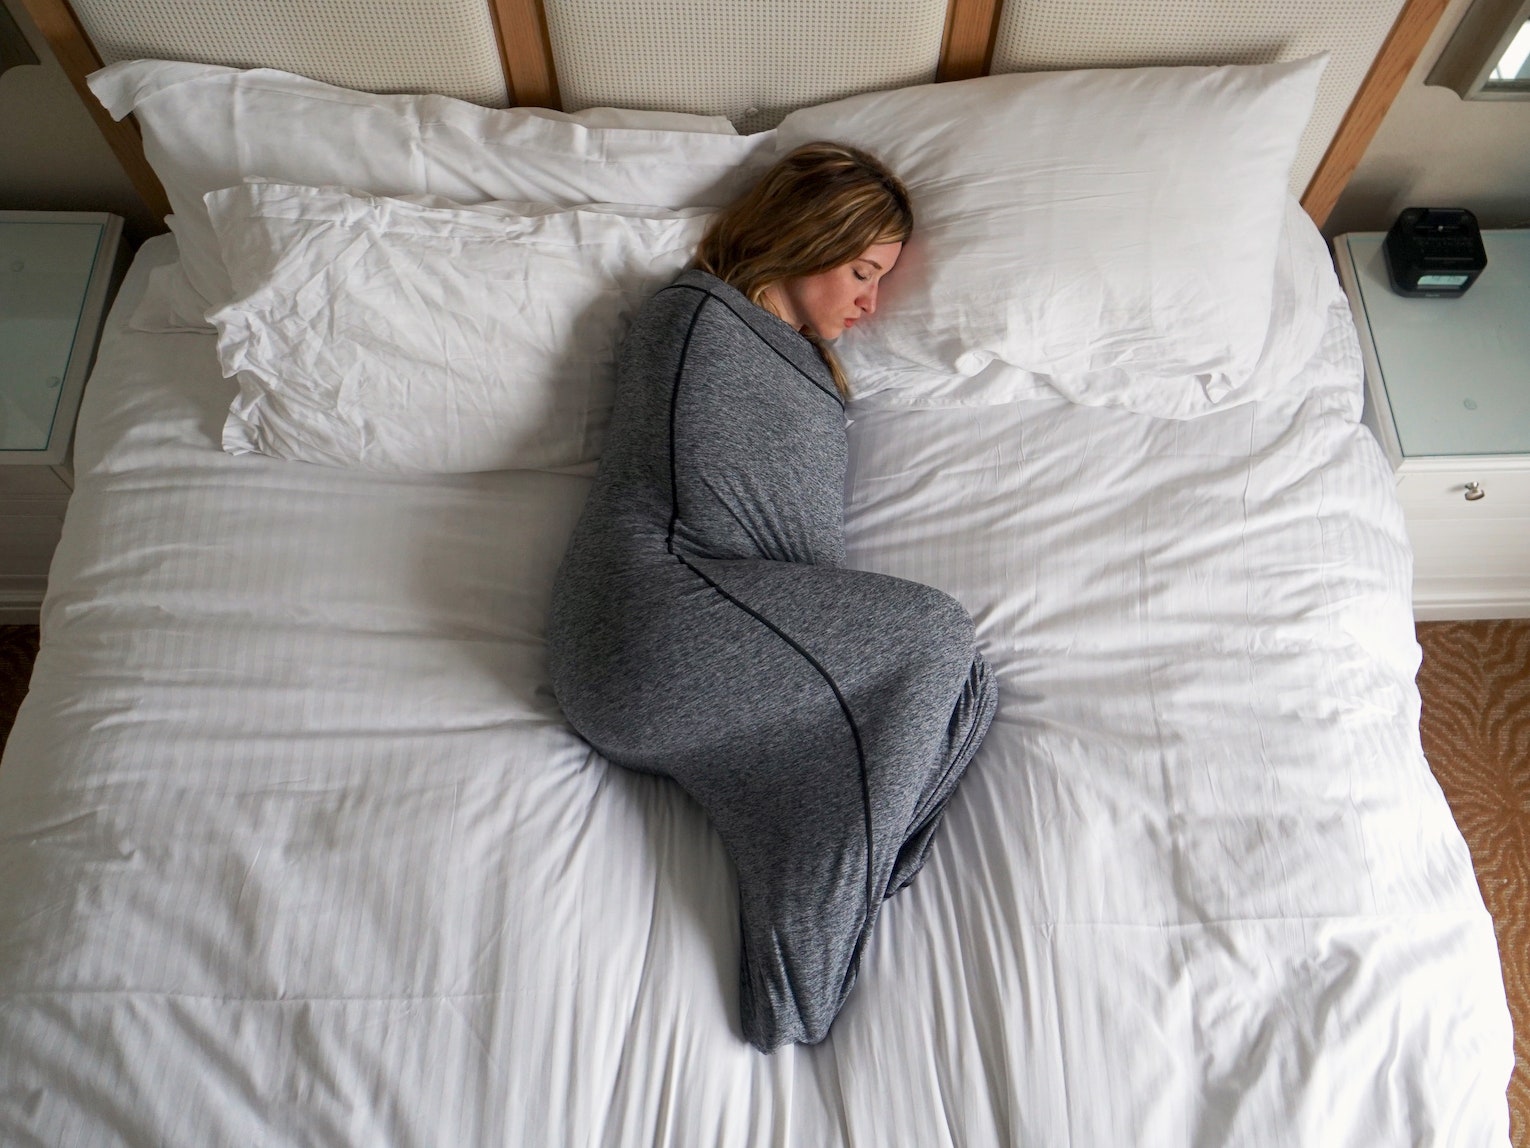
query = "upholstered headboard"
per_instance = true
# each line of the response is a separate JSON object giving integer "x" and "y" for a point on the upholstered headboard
{"x": 752, "y": 61}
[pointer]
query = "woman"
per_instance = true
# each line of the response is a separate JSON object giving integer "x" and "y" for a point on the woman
{"x": 704, "y": 626}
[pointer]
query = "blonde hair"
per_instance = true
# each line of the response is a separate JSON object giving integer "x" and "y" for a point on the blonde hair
{"x": 818, "y": 208}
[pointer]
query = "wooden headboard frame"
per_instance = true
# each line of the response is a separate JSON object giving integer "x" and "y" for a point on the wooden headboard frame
{"x": 966, "y": 51}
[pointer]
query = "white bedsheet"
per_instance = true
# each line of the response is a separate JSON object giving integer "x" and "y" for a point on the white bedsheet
{"x": 295, "y": 847}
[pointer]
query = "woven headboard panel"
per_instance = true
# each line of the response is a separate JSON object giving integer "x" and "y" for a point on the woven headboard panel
{"x": 751, "y": 62}
{"x": 1045, "y": 35}
{"x": 445, "y": 46}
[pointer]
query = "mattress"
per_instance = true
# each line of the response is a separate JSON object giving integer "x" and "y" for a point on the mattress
{"x": 296, "y": 847}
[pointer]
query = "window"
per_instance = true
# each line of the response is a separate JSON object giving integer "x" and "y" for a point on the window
{"x": 1488, "y": 57}
{"x": 1512, "y": 64}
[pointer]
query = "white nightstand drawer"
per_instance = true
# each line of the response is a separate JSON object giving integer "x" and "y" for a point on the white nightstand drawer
{"x": 31, "y": 482}
{"x": 29, "y": 543}
{"x": 1443, "y": 494}
{"x": 1467, "y": 569}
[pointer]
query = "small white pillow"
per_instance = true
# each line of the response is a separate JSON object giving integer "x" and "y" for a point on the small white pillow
{"x": 207, "y": 127}
{"x": 1112, "y": 233}
{"x": 404, "y": 335}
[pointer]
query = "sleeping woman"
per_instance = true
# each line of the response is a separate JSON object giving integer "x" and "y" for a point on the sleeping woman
{"x": 704, "y": 624}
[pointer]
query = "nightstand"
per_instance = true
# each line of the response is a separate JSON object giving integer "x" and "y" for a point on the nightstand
{"x": 1448, "y": 397}
{"x": 58, "y": 271}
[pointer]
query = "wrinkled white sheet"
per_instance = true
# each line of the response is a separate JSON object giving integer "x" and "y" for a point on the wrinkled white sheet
{"x": 295, "y": 848}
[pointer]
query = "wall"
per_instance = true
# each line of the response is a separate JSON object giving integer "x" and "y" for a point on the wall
{"x": 52, "y": 156}
{"x": 1435, "y": 149}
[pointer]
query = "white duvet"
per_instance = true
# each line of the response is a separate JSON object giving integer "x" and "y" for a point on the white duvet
{"x": 295, "y": 847}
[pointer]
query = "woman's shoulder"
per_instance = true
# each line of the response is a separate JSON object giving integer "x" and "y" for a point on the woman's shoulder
{"x": 697, "y": 283}
{"x": 701, "y": 297}
{"x": 721, "y": 302}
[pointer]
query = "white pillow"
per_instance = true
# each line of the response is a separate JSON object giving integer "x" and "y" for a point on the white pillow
{"x": 641, "y": 119}
{"x": 1112, "y": 233}
{"x": 405, "y": 335}
{"x": 207, "y": 127}
{"x": 1305, "y": 289}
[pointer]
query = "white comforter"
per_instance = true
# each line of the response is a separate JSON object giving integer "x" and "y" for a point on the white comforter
{"x": 295, "y": 847}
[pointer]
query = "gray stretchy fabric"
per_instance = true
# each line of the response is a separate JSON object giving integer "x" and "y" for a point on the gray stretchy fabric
{"x": 704, "y": 627}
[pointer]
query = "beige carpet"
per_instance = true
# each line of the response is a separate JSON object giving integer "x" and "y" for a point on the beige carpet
{"x": 1475, "y": 684}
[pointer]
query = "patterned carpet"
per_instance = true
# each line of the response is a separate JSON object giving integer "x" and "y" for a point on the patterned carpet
{"x": 1475, "y": 684}
{"x": 18, "y": 649}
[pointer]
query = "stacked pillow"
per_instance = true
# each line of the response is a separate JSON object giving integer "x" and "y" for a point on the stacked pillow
{"x": 1107, "y": 235}
{"x": 207, "y": 127}
{"x": 497, "y": 350}
{"x": 403, "y": 334}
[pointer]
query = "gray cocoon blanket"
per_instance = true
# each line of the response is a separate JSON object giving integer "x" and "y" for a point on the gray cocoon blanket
{"x": 704, "y": 627}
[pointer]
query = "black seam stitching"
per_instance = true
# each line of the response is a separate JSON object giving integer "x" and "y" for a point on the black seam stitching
{"x": 844, "y": 706}
{"x": 833, "y": 394}
{"x": 674, "y": 407}
{"x": 839, "y": 696}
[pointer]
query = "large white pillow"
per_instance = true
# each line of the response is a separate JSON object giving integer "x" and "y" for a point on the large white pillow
{"x": 1110, "y": 233}
{"x": 1305, "y": 291}
{"x": 207, "y": 127}
{"x": 391, "y": 334}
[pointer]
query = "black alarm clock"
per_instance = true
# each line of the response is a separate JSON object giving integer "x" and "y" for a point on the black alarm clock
{"x": 1434, "y": 252}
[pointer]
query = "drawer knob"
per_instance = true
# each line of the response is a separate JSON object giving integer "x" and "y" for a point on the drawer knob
{"x": 1474, "y": 491}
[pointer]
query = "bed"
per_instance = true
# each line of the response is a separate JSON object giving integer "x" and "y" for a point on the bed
{"x": 296, "y": 846}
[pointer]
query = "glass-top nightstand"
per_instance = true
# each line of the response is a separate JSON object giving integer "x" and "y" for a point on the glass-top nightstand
{"x": 58, "y": 271}
{"x": 1448, "y": 398}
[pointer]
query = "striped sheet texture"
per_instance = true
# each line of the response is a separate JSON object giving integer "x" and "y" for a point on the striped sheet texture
{"x": 296, "y": 848}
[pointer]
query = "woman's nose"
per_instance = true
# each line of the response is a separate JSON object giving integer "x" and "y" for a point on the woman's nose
{"x": 868, "y": 300}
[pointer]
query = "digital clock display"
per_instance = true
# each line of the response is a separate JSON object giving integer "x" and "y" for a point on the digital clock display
{"x": 1442, "y": 280}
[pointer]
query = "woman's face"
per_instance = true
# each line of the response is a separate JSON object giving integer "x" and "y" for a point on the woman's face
{"x": 829, "y": 303}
